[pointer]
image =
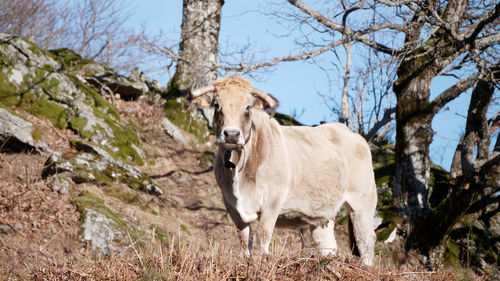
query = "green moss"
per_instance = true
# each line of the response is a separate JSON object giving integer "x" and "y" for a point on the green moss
{"x": 438, "y": 174}
{"x": 177, "y": 111}
{"x": 40, "y": 106}
{"x": 87, "y": 200}
{"x": 4, "y": 59}
{"x": 26, "y": 97}
{"x": 95, "y": 100}
{"x": 36, "y": 134}
{"x": 123, "y": 139}
{"x": 8, "y": 92}
{"x": 69, "y": 59}
{"x": 185, "y": 228}
{"x": 451, "y": 255}
{"x": 77, "y": 124}
{"x": 39, "y": 51}
{"x": 123, "y": 194}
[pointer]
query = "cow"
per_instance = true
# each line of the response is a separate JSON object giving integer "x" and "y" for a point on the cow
{"x": 287, "y": 176}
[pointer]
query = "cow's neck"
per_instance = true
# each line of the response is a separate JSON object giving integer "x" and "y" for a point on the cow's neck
{"x": 254, "y": 151}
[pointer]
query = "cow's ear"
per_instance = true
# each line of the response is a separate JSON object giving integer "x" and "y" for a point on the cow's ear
{"x": 202, "y": 97}
{"x": 265, "y": 101}
{"x": 258, "y": 103}
{"x": 202, "y": 101}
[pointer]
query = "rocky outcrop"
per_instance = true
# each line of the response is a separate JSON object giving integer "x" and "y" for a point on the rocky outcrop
{"x": 75, "y": 94}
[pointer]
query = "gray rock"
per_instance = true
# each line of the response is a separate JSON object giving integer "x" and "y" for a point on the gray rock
{"x": 18, "y": 226}
{"x": 94, "y": 160}
{"x": 179, "y": 177}
{"x": 109, "y": 149}
{"x": 5, "y": 228}
{"x": 127, "y": 88}
{"x": 100, "y": 232}
{"x": 173, "y": 131}
{"x": 17, "y": 133}
{"x": 60, "y": 183}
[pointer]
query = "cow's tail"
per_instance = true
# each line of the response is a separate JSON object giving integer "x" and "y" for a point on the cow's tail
{"x": 352, "y": 240}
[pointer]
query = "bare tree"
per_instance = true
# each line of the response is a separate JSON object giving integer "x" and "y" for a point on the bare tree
{"x": 38, "y": 20}
{"x": 426, "y": 39}
{"x": 93, "y": 28}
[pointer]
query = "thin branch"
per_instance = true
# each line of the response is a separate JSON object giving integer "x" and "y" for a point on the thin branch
{"x": 489, "y": 18}
{"x": 381, "y": 123}
{"x": 355, "y": 35}
{"x": 277, "y": 60}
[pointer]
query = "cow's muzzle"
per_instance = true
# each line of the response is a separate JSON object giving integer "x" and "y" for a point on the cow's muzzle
{"x": 230, "y": 138}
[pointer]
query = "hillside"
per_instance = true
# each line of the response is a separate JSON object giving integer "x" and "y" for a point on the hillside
{"x": 102, "y": 178}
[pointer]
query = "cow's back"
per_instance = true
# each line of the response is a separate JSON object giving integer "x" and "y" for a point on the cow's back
{"x": 328, "y": 163}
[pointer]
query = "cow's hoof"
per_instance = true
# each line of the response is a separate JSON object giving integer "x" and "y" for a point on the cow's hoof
{"x": 328, "y": 252}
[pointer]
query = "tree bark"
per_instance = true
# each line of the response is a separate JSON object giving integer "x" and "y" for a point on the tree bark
{"x": 413, "y": 137}
{"x": 477, "y": 173}
{"x": 197, "y": 66}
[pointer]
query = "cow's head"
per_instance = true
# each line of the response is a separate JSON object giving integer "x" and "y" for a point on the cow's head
{"x": 234, "y": 101}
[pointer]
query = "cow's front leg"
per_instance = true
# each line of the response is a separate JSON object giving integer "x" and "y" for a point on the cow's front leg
{"x": 264, "y": 230}
{"x": 246, "y": 240}
{"x": 244, "y": 229}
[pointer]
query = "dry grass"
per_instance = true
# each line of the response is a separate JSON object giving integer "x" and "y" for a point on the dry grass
{"x": 41, "y": 237}
{"x": 216, "y": 261}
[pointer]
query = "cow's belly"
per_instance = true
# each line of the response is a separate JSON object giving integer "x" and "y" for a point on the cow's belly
{"x": 308, "y": 205}
{"x": 297, "y": 219}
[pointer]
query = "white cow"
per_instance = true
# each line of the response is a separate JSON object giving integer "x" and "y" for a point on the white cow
{"x": 288, "y": 176}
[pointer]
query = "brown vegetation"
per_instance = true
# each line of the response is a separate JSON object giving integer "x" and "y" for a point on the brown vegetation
{"x": 189, "y": 238}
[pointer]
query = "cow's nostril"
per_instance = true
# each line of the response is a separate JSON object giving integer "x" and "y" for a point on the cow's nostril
{"x": 231, "y": 133}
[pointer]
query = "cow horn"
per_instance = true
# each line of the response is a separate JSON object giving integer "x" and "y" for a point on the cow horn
{"x": 202, "y": 91}
{"x": 270, "y": 103}
{"x": 268, "y": 100}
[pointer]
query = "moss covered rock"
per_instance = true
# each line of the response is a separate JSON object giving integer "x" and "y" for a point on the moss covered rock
{"x": 51, "y": 85}
{"x": 104, "y": 230}
{"x": 94, "y": 164}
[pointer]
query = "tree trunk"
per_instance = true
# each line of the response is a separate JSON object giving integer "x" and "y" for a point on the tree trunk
{"x": 197, "y": 64}
{"x": 413, "y": 137}
{"x": 469, "y": 183}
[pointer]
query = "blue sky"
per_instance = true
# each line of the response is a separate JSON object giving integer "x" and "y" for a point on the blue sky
{"x": 295, "y": 84}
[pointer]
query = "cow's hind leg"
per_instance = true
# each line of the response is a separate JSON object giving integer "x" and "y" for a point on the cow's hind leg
{"x": 361, "y": 214}
{"x": 324, "y": 237}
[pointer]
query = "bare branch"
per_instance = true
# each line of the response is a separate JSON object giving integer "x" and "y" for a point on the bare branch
{"x": 388, "y": 117}
{"x": 355, "y": 35}
{"x": 452, "y": 92}
{"x": 277, "y": 60}
{"x": 487, "y": 19}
